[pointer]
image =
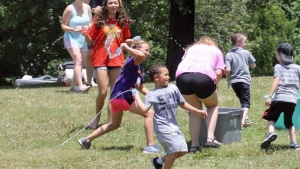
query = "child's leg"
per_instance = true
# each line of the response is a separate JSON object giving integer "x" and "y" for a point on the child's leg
{"x": 271, "y": 126}
{"x": 113, "y": 75}
{"x": 148, "y": 122}
{"x": 102, "y": 92}
{"x": 170, "y": 159}
{"x": 292, "y": 134}
{"x": 112, "y": 125}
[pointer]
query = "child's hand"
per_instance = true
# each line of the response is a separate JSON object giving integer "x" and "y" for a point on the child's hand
{"x": 268, "y": 101}
{"x": 123, "y": 45}
{"x": 134, "y": 91}
{"x": 85, "y": 31}
{"x": 202, "y": 113}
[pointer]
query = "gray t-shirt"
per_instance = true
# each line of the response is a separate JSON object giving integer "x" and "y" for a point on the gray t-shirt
{"x": 165, "y": 102}
{"x": 287, "y": 90}
{"x": 238, "y": 60}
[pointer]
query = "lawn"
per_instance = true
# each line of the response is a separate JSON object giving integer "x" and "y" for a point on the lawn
{"x": 40, "y": 126}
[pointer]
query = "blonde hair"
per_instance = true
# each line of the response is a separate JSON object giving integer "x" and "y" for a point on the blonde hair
{"x": 237, "y": 36}
{"x": 206, "y": 40}
{"x": 137, "y": 44}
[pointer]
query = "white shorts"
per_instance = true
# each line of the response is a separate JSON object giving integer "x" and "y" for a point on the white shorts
{"x": 69, "y": 44}
{"x": 172, "y": 142}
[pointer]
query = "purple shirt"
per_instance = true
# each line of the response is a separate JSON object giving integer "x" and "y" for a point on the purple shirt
{"x": 127, "y": 80}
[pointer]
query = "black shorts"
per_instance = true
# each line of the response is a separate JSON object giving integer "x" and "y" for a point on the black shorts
{"x": 196, "y": 83}
{"x": 276, "y": 108}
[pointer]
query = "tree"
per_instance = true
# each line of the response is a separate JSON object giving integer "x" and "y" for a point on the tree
{"x": 181, "y": 32}
{"x": 31, "y": 37}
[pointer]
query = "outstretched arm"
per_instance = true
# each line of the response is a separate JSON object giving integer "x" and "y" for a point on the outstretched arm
{"x": 194, "y": 110}
{"x": 139, "y": 55}
{"x": 139, "y": 102}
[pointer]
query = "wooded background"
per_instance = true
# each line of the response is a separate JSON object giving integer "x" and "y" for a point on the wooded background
{"x": 31, "y": 38}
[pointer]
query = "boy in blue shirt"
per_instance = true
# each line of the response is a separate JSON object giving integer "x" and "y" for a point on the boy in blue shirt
{"x": 237, "y": 62}
{"x": 165, "y": 99}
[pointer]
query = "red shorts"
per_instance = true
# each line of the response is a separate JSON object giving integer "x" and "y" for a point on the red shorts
{"x": 118, "y": 105}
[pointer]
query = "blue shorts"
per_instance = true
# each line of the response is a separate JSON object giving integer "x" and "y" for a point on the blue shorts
{"x": 242, "y": 91}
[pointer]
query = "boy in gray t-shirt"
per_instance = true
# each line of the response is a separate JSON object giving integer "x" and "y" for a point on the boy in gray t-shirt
{"x": 237, "y": 62}
{"x": 165, "y": 99}
{"x": 285, "y": 88}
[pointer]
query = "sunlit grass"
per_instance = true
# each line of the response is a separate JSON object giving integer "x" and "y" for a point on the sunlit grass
{"x": 36, "y": 121}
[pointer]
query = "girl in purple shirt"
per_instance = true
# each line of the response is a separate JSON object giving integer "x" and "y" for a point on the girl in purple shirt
{"x": 122, "y": 100}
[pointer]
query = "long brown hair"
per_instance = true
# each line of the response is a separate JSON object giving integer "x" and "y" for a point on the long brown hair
{"x": 122, "y": 17}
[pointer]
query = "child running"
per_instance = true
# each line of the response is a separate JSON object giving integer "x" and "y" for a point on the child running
{"x": 285, "y": 88}
{"x": 121, "y": 98}
{"x": 237, "y": 62}
{"x": 165, "y": 99}
{"x": 110, "y": 28}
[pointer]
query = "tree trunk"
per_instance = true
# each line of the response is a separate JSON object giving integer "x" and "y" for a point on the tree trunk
{"x": 181, "y": 32}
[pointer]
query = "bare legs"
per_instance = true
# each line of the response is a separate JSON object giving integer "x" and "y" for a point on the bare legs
{"x": 194, "y": 120}
{"x": 116, "y": 119}
{"x": 79, "y": 58}
{"x": 89, "y": 68}
{"x": 169, "y": 159}
{"x": 211, "y": 103}
{"x": 103, "y": 78}
{"x": 292, "y": 132}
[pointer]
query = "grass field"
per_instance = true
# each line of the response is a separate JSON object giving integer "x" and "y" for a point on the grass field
{"x": 40, "y": 126}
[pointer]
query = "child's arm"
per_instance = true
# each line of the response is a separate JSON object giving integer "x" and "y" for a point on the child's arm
{"x": 142, "y": 89}
{"x": 139, "y": 102}
{"x": 139, "y": 56}
{"x": 227, "y": 73}
{"x": 253, "y": 65}
{"x": 88, "y": 39}
{"x": 192, "y": 109}
{"x": 272, "y": 90}
{"x": 130, "y": 41}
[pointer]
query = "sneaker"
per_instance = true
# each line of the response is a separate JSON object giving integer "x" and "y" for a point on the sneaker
{"x": 151, "y": 149}
{"x": 267, "y": 142}
{"x": 248, "y": 122}
{"x": 84, "y": 88}
{"x": 155, "y": 164}
{"x": 84, "y": 143}
{"x": 194, "y": 149}
{"x": 294, "y": 146}
{"x": 74, "y": 89}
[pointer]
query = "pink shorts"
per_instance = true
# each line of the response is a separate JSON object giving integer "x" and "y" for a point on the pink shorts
{"x": 118, "y": 105}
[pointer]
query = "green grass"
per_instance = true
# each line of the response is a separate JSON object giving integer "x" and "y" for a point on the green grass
{"x": 36, "y": 121}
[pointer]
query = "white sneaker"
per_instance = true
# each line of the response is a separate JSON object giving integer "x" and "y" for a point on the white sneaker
{"x": 84, "y": 88}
